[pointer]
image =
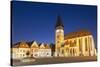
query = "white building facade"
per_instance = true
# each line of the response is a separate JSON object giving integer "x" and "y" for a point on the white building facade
{"x": 23, "y": 50}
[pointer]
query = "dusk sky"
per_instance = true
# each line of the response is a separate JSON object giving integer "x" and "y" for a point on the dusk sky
{"x": 36, "y": 21}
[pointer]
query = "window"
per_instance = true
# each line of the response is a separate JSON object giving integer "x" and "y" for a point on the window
{"x": 20, "y": 55}
{"x": 70, "y": 43}
{"x": 23, "y": 55}
{"x": 57, "y": 41}
{"x": 67, "y": 50}
{"x": 74, "y": 42}
{"x": 35, "y": 54}
{"x": 20, "y": 50}
{"x": 86, "y": 44}
{"x": 58, "y": 36}
{"x": 62, "y": 51}
{"x": 23, "y": 50}
{"x": 73, "y": 52}
{"x": 62, "y": 45}
{"x": 91, "y": 43}
{"x": 80, "y": 44}
{"x": 47, "y": 53}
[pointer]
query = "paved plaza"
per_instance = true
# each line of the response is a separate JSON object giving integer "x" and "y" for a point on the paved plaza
{"x": 54, "y": 60}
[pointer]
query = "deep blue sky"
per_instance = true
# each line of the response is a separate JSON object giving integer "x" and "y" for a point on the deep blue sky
{"x": 36, "y": 21}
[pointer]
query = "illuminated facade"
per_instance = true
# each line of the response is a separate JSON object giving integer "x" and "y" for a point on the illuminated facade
{"x": 20, "y": 50}
{"x": 31, "y": 49}
{"x": 79, "y": 43}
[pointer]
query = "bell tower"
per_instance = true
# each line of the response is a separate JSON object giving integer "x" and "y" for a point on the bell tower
{"x": 59, "y": 36}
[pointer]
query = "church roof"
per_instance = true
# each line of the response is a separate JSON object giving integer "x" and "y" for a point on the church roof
{"x": 77, "y": 34}
{"x": 59, "y": 22}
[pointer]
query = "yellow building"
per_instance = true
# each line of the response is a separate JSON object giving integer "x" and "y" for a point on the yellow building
{"x": 79, "y": 43}
{"x": 30, "y": 49}
{"x": 20, "y": 50}
{"x": 34, "y": 49}
{"x": 45, "y": 50}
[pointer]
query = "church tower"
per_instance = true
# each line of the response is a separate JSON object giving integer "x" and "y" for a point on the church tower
{"x": 59, "y": 36}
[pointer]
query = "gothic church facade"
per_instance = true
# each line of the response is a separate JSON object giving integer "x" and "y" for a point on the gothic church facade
{"x": 79, "y": 43}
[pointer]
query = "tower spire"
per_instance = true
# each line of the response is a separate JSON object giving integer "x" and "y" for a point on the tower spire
{"x": 59, "y": 23}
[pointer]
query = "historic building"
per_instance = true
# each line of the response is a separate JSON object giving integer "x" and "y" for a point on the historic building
{"x": 20, "y": 50}
{"x": 45, "y": 50}
{"x": 80, "y": 43}
{"x": 30, "y": 49}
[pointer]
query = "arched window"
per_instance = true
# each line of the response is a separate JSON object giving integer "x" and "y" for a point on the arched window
{"x": 71, "y": 44}
{"x": 73, "y": 52}
{"x": 80, "y": 44}
{"x": 62, "y": 51}
{"x": 91, "y": 43}
{"x": 86, "y": 44}
{"x": 74, "y": 42}
{"x": 67, "y": 50}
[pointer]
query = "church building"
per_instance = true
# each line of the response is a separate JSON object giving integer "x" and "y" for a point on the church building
{"x": 80, "y": 43}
